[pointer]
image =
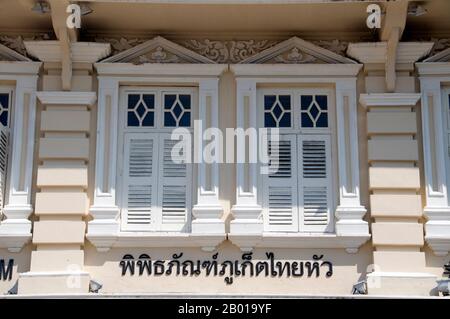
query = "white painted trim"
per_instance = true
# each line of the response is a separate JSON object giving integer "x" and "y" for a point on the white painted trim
{"x": 389, "y": 99}
{"x": 350, "y": 212}
{"x": 375, "y": 52}
{"x": 15, "y": 230}
{"x": 157, "y": 70}
{"x": 304, "y": 46}
{"x": 295, "y": 70}
{"x": 437, "y": 209}
{"x": 67, "y": 98}
{"x": 50, "y": 51}
{"x": 143, "y": 48}
{"x": 104, "y": 229}
{"x": 298, "y": 240}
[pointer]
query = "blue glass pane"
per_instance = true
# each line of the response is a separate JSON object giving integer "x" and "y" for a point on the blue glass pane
{"x": 268, "y": 101}
{"x": 323, "y": 120}
{"x": 314, "y": 111}
{"x": 177, "y": 110}
{"x": 148, "y": 119}
{"x": 169, "y": 120}
{"x": 141, "y": 110}
{"x": 277, "y": 110}
{"x": 322, "y": 100}
{"x": 169, "y": 100}
{"x": 149, "y": 100}
{"x": 285, "y": 120}
{"x": 186, "y": 119}
{"x": 4, "y": 100}
{"x": 269, "y": 120}
{"x": 132, "y": 100}
{"x": 285, "y": 101}
{"x": 305, "y": 101}
{"x": 4, "y": 118}
{"x": 132, "y": 119}
{"x": 185, "y": 99}
{"x": 306, "y": 121}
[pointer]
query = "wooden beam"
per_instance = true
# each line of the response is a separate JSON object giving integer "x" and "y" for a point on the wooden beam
{"x": 391, "y": 59}
{"x": 396, "y": 14}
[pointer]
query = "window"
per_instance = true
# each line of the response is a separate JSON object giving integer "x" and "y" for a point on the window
{"x": 5, "y": 111}
{"x": 156, "y": 181}
{"x": 297, "y": 193}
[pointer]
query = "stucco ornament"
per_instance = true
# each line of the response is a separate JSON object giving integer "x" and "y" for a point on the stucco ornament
{"x": 16, "y": 42}
{"x": 228, "y": 51}
{"x": 159, "y": 55}
{"x": 295, "y": 56}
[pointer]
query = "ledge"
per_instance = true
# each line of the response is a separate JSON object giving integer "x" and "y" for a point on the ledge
{"x": 13, "y": 242}
{"x": 67, "y": 98}
{"x": 389, "y": 99}
{"x": 298, "y": 70}
{"x": 19, "y": 67}
{"x": 50, "y": 51}
{"x": 434, "y": 68}
{"x": 104, "y": 242}
{"x": 298, "y": 240}
{"x": 375, "y": 52}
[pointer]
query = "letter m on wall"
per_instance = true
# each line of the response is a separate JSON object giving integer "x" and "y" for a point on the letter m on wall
{"x": 6, "y": 269}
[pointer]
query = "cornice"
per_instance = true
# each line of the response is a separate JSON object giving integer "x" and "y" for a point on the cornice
{"x": 67, "y": 98}
{"x": 50, "y": 51}
{"x": 160, "y": 69}
{"x": 389, "y": 99}
{"x": 19, "y": 67}
{"x": 375, "y": 52}
{"x": 271, "y": 70}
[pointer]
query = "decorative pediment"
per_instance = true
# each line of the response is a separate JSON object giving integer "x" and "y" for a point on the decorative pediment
{"x": 297, "y": 51}
{"x": 158, "y": 50}
{"x": 443, "y": 56}
{"x": 7, "y": 54}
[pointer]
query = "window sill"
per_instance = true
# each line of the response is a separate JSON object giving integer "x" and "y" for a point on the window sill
{"x": 298, "y": 240}
{"x": 104, "y": 242}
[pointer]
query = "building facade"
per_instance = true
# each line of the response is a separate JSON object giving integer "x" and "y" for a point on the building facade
{"x": 94, "y": 200}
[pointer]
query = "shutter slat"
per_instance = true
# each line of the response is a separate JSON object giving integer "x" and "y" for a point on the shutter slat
{"x": 4, "y": 145}
{"x": 315, "y": 183}
{"x": 280, "y": 187}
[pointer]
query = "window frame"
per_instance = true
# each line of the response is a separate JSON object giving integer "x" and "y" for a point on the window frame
{"x": 159, "y": 130}
{"x": 296, "y": 130}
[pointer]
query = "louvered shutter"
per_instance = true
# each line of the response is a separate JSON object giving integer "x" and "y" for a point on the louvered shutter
{"x": 315, "y": 183}
{"x": 140, "y": 182}
{"x": 4, "y": 140}
{"x": 174, "y": 178}
{"x": 280, "y": 186}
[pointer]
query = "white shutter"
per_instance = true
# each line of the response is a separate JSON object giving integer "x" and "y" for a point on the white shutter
{"x": 140, "y": 182}
{"x": 4, "y": 141}
{"x": 280, "y": 187}
{"x": 315, "y": 183}
{"x": 174, "y": 186}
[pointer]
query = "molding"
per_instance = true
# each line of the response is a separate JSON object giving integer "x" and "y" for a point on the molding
{"x": 18, "y": 68}
{"x": 66, "y": 98}
{"x": 376, "y": 52}
{"x": 435, "y": 68}
{"x": 437, "y": 229}
{"x": 443, "y": 56}
{"x": 312, "y": 53}
{"x": 104, "y": 242}
{"x": 162, "y": 45}
{"x": 50, "y": 51}
{"x": 298, "y": 70}
{"x": 14, "y": 243}
{"x": 389, "y": 99}
{"x": 11, "y": 55}
{"x": 298, "y": 240}
{"x": 160, "y": 69}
